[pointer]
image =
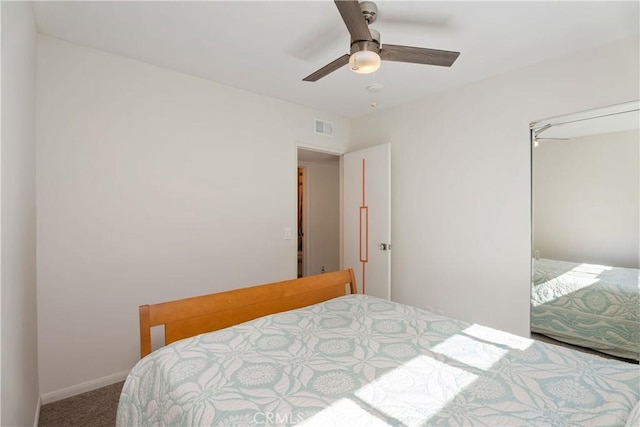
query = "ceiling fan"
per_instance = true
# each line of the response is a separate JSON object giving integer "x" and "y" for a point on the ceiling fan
{"x": 366, "y": 50}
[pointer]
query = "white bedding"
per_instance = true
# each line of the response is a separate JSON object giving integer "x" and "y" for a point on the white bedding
{"x": 594, "y": 306}
{"x": 362, "y": 361}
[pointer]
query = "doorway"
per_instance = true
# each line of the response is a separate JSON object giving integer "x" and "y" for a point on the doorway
{"x": 318, "y": 212}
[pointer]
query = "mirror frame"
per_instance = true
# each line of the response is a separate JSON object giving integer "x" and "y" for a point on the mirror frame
{"x": 537, "y": 127}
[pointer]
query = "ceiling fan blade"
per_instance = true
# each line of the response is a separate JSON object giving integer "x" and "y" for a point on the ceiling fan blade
{"x": 418, "y": 55}
{"x": 353, "y": 19}
{"x": 329, "y": 68}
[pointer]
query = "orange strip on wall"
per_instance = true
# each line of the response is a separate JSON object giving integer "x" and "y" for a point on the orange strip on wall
{"x": 364, "y": 234}
{"x": 364, "y": 228}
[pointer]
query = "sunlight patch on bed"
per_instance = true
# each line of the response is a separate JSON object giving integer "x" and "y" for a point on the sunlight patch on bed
{"x": 577, "y": 282}
{"x": 416, "y": 390}
{"x": 582, "y": 276}
{"x": 498, "y": 337}
{"x": 471, "y": 352}
{"x": 593, "y": 269}
{"x": 344, "y": 412}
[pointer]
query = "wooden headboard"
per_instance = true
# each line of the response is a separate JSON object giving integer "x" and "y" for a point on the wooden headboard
{"x": 192, "y": 316}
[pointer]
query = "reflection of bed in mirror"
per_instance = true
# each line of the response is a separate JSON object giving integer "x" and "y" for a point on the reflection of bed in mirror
{"x": 589, "y": 305}
{"x": 586, "y": 228}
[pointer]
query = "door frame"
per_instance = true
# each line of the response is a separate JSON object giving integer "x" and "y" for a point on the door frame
{"x": 305, "y": 219}
{"x": 305, "y": 241}
{"x": 341, "y": 193}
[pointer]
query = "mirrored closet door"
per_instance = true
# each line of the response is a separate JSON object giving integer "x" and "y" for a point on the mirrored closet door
{"x": 586, "y": 229}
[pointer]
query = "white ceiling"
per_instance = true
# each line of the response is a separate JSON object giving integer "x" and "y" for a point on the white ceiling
{"x": 269, "y": 46}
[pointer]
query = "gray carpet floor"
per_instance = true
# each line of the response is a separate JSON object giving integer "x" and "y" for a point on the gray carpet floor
{"x": 546, "y": 339}
{"x": 95, "y": 408}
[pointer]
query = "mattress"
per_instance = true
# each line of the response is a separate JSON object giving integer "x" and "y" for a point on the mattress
{"x": 588, "y": 305}
{"x": 362, "y": 361}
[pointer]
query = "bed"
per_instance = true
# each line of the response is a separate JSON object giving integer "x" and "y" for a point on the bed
{"x": 589, "y": 305}
{"x": 357, "y": 360}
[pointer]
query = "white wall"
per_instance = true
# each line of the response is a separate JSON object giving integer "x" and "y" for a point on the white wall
{"x": 152, "y": 185}
{"x": 323, "y": 216}
{"x": 138, "y": 165}
{"x": 586, "y": 198}
{"x": 19, "y": 373}
{"x": 461, "y": 195}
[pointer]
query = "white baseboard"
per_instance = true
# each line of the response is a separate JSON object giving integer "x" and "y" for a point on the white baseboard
{"x": 83, "y": 388}
{"x": 37, "y": 417}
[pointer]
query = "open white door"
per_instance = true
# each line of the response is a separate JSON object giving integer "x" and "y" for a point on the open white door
{"x": 367, "y": 218}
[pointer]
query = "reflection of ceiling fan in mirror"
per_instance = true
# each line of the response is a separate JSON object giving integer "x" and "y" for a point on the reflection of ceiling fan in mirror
{"x": 366, "y": 49}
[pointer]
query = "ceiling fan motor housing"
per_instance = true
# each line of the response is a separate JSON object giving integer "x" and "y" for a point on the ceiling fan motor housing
{"x": 373, "y": 45}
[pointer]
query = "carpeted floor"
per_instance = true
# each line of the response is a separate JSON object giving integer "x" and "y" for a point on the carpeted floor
{"x": 95, "y": 408}
{"x": 546, "y": 339}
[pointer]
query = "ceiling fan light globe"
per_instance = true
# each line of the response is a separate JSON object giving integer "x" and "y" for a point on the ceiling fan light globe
{"x": 364, "y": 62}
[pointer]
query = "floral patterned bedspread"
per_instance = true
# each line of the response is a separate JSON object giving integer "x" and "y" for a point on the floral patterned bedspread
{"x": 590, "y": 305}
{"x": 363, "y": 361}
